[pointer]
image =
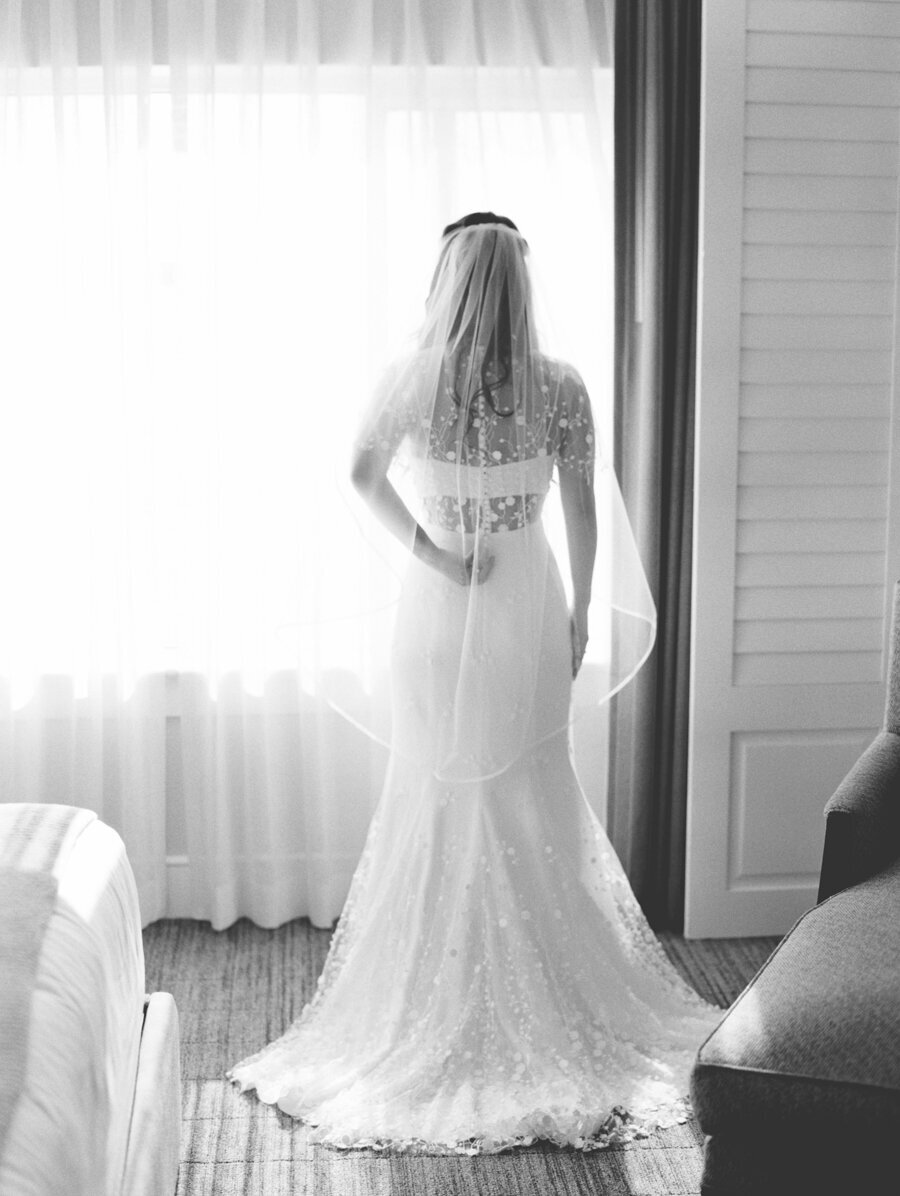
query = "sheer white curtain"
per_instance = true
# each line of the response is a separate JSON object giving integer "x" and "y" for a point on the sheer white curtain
{"x": 217, "y": 222}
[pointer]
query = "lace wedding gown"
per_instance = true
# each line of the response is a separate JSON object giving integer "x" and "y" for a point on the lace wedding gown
{"x": 492, "y": 979}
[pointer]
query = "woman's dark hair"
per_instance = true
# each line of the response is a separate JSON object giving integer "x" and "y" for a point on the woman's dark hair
{"x": 478, "y": 218}
{"x": 501, "y": 343}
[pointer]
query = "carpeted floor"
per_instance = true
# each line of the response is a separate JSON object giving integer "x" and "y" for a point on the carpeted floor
{"x": 239, "y": 988}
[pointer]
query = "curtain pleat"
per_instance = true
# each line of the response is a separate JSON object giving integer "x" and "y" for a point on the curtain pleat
{"x": 657, "y": 122}
{"x": 337, "y": 32}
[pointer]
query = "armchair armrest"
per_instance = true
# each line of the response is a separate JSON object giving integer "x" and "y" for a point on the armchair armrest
{"x": 862, "y": 829}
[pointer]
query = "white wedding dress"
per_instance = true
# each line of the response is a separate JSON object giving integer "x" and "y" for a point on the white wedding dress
{"x": 492, "y": 979}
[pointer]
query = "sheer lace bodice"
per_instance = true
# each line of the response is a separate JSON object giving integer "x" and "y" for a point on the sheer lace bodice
{"x": 497, "y": 496}
{"x": 494, "y": 473}
{"x": 553, "y": 419}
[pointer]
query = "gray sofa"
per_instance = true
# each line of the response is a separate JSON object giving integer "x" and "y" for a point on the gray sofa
{"x": 798, "y": 1087}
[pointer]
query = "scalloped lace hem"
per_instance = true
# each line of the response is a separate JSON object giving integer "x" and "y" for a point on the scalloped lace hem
{"x": 576, "y": 1130}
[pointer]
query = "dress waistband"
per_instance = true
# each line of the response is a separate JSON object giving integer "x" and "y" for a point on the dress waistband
{"x": 435, "y": 478}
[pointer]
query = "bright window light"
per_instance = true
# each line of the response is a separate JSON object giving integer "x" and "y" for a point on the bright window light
{"x": 195, "y": 305}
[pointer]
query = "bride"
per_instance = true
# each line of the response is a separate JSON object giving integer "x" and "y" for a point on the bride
{"x": 492, "y": 979}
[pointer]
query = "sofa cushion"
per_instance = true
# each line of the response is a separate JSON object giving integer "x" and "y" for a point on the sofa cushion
{"x": 863, "y": 817}
{"x": 815, "y": 1037}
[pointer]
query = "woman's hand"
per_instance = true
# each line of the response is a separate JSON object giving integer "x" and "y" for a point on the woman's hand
{"x": 464, "y": 570}
{"x": 578, "y": 634}
{"x": 479, "y": 570}
{"x": 369, "y": 476}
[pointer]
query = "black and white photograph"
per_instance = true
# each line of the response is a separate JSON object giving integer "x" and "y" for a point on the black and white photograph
{"x": 449, "y": 597}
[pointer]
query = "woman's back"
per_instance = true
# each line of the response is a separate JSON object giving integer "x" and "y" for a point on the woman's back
{"x": 487, "y": 459}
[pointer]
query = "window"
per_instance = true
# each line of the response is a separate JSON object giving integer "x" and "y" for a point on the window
{"x": 198, "y": 290}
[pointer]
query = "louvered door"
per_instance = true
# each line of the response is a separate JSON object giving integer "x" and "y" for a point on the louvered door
{"x": 796, "y": 528}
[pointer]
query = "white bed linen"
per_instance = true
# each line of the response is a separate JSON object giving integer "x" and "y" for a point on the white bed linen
{"x": 69, "y": 1131}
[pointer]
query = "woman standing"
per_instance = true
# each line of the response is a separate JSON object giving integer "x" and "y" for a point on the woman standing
{"x": 492, "y": 979}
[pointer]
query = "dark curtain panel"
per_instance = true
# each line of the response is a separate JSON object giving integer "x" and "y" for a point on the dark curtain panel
{"x": 657, "y": 124}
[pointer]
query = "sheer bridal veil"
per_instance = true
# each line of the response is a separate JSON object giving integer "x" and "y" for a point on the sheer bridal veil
{"x": 477, "y": 420}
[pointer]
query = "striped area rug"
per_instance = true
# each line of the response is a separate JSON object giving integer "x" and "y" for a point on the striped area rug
{"x": 237, "y": 989}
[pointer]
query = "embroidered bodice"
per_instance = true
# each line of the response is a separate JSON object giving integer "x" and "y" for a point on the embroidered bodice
{"x": 495, "y": 473}
{"x": 497, "y": 496}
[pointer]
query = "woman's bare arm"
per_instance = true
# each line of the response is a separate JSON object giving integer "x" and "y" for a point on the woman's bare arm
{"x": 580, "y": 514}
{"x": 369, "y": 475}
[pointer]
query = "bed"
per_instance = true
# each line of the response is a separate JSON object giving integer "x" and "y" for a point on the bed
{"x": 89, "y": 1064}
